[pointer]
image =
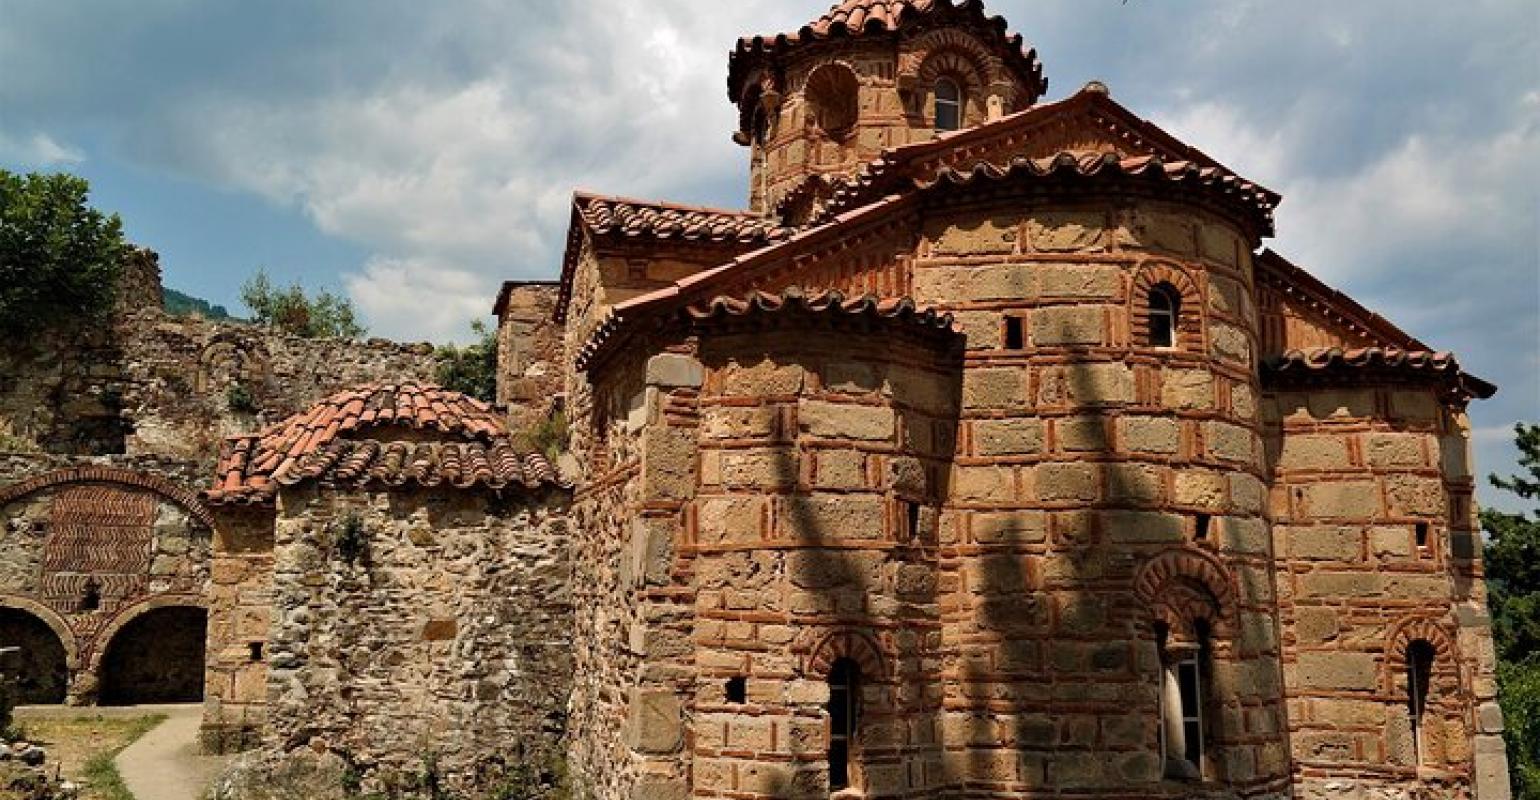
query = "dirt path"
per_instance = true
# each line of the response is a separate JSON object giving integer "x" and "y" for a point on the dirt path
{"x": 165, "y": 763}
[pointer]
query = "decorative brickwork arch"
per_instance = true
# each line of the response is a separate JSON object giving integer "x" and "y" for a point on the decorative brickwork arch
{"x": 961, "y": 67}
{"x": 50, "y": 618}
{"x": 1446, "y": 657}
{"x": 1182, "y": 586}
{"x": 154, "y": 483}
{"x": 129, "y": 614}
{"x": 1189, "y": 321}
{"x": 832, "y": 94}
{"x": 858, "y": 646}
{"x": 227, "y": 361}
{"x": 153, "y": 652}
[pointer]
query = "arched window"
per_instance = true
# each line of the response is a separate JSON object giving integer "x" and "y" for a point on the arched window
{"x": 844, "y": 715}
{"x": 1419, "y": 673}
{"x": 1183, "y": 729}
{"x": 833, "y": 96}
{"x": 1165, "y": 308}
{"x": 948, "y": 105}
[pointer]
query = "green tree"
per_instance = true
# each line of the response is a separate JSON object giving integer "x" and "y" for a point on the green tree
{"x": 471, "y": 369}
{"x": 325, "y": 315}
{"x": 1512, "y": 556}
{"x": 59, "y": 257}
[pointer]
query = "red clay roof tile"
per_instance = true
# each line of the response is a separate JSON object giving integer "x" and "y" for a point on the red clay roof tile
{"x": 877, "y": 17}
{"x": 1332, "y": 362}
{"x": 312, "y": 446}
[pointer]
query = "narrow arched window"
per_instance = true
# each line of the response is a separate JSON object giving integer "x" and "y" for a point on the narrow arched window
{"x": 1164, "y": 309}
{"x": 1419, "y": 673}
{"x": 948, "y": 105}
{"x": 844, "y": 714}
{"x": 1184, "y": 676}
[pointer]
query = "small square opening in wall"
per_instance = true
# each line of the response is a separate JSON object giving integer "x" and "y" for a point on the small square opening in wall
{"x": 912, "y": 518}
{"x": 1014, "y": 339}
{"x": 1422, "y": 535}
{"x": 1201, "y": 527}
{"x": 737, "y": 689}
{"x": 256, "y": 651}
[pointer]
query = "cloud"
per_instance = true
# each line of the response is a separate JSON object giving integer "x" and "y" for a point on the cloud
{"x": 37, "y": 150}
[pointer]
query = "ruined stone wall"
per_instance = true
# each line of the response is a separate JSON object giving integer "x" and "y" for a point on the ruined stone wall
{"x": 419, "y": 627}
{"x": 150, "y": 383}
{"x": 530, "y": 378}
{"x": 90, "y": 545}
{"x": 1377, "y": 547}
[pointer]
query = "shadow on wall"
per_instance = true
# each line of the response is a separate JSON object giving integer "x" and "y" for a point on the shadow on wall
{"x": 39, "y": 662}
{"x": 158, "y": 657}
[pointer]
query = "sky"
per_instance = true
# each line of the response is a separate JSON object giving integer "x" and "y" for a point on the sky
{"x": 414, "y": 155}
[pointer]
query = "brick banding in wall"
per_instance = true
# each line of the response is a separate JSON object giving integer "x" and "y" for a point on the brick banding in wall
{"x": 854, "y": 645}
{"x": 1189, "y": 322}
{"x": 1446, "y": 656}
{"x": 177, "y": 494}
{"x": 1167, "y": 584}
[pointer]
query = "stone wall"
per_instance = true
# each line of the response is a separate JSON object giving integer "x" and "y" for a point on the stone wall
{"x": 153, "y": 384}
{"x": 1377, "y": 548}
{"x": 417, "y": 627}
{"x": 91, "y": 546}
{"x": 529, "y": 350}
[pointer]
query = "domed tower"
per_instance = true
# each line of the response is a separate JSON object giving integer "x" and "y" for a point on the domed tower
{"x": 869, "y": 74}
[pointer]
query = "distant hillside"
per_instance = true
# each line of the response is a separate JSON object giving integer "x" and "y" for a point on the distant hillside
{"x": 183, "y": 305}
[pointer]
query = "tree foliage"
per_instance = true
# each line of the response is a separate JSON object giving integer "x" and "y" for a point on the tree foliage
{"x": 59, "y": 257}
{"x": 1512, "y": 559}
{"x": 325, "y": 315}
{"x": 471, "y": 369}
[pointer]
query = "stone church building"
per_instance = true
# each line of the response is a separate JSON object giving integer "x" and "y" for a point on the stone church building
{"x": 987, "y": 454}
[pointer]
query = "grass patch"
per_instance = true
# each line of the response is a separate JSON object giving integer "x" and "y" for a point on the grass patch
{"x": 83, "y": 747}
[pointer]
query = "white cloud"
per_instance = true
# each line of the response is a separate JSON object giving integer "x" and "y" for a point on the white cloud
{"x": 37, "y": 150}
{"x": 404, "y": 297}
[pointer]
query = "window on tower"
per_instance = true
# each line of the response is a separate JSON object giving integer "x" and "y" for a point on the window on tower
{"x": 1165, "y": 306}
{"x": 948, "y": 105}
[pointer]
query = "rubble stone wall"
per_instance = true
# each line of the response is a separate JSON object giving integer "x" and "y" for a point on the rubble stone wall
{"x": 529, "y": 347}
{"x": 419, "y": 627}
{"x": 93, "y": 544}
{"x": 1378, "y": 548}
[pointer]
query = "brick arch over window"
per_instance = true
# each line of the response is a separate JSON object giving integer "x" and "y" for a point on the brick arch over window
{"x": 1182, "y": 586}
{"x": 857, "y": 646}
{"x": 1189, "y": 322}
{"x": 960, "y": 66}
{"x": 1446, "y": 660}
{"x": 917, "y": 68}
{"x": 123, "y": 477}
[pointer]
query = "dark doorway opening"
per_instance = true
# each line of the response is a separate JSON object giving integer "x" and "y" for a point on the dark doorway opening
{"x": 156, "y": 658}
{"x": 39, "y": 663}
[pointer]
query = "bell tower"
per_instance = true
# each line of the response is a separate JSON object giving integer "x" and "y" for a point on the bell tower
{"x": 868, "y": 75}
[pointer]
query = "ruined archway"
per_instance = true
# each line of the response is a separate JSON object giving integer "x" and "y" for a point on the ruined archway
{"x": 41, "y": 662}
{"x": 156, "y": 657}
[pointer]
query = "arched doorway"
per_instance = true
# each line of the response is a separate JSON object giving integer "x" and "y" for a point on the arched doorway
{"x": 40, "y": 663}
{"x": 156, "y": 658}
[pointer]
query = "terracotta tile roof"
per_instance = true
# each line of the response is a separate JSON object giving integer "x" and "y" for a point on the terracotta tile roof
{"x": 332, "y": 442}
{"x": 897, "y": 310}
{"x": 1326, "y": 362}
{"x": 854, "y": 18}
{"x": 627, "y": 218}
{"x": 880, "y": 178}
{"x": 898, "y": 169}
{"x": 643, "y": 218}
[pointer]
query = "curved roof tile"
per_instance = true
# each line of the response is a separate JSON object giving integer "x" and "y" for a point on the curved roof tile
{"x": 338, "y": 440}
{"x": 902, "y": 310}
{"x": 1329, "y": 360}
{"x": 854, "y": 18}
